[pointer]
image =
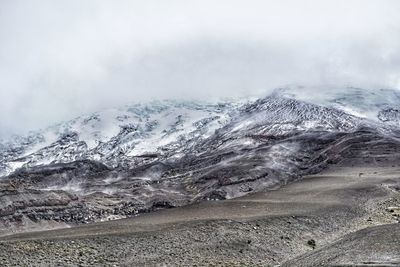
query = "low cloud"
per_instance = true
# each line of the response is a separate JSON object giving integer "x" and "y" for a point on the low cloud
{"x": 59, "y": 59}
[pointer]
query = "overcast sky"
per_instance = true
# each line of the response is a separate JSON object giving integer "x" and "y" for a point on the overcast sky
{"x": 59, "y": 59}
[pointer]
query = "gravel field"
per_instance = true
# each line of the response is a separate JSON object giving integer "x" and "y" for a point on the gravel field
{"x": 312, "y": 222}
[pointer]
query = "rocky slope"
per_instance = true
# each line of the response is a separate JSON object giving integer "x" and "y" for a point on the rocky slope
{"x": 126, "y": 135}
{"x": 379, "y": 105}
{"x": 139, "y": 158}
{"x": 373, "y": 246}
{"x": 315, "y": 221}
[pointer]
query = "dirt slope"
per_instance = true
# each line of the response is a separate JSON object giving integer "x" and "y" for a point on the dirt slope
{"x": 319, "y": 215}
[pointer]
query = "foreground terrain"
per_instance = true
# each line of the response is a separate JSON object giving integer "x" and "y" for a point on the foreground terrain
{"x": 346, "y": 215}
{"x": 272, "y": 181}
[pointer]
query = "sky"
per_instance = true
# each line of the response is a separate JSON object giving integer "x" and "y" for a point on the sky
{"x": 60, "y": 59}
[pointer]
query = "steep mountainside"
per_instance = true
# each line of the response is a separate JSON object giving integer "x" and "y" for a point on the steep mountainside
{"x": 381, "y": 105}
{"x": 139, "y": 158}
{"x": 135, "y": 132}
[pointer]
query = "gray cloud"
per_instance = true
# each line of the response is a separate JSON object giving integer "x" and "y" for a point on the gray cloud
{"x": 62, "y": 58}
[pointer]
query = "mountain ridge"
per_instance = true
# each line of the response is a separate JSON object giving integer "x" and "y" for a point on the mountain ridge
{"x": 169, "y": 159}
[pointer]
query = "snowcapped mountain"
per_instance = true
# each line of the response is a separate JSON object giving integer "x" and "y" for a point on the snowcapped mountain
{"x": 140, "y": 133}
{"x": 119, "y": 136}
{"x": 380, "y": 105}
{"x": 137, "y": 158}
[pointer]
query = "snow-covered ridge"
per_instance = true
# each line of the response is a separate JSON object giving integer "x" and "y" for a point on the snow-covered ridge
{"x": 139, "y": 133}
{"x": 282, "y": 114}
{"x": 378, "y": 105}
{"x": 119, "y": 162}
{"x": 130, "y": 131}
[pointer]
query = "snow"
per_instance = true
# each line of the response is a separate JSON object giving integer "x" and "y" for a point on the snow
{"x": 171, "y": 128}
{"x": 242, "y": 125}
{"x": 363, "y": 103}
{"x": 14, "y": 165}
{"x": 133, "y": 130}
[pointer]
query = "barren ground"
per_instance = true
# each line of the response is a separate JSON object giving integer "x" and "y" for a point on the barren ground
{"x": 342, "y": 216}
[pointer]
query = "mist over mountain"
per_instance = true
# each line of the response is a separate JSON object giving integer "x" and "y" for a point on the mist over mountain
{"x": 170, "y": 153}
{"x": 63, "y": 59}
{"x": 200, "y": 133}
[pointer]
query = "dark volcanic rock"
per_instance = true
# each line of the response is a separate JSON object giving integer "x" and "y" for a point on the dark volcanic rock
{"x": 267, "y": 144}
